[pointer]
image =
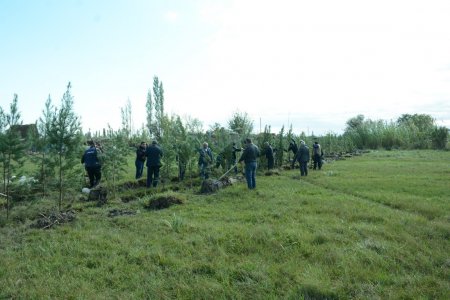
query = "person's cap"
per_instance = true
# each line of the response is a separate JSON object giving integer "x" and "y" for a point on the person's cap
{"x": 154, "y": 142}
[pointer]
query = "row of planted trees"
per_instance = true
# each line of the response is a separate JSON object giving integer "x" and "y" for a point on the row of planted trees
{"x": 58, "y": 142}
{"x": 417, "y": 131}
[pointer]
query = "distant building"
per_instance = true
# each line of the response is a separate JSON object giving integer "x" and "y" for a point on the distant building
{"x": 25, "y": 130}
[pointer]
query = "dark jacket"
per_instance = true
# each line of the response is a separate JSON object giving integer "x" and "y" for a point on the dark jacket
{"x": 250, "y": 154}
{"x": 234, "y": 149}
{"x": 293, "y": 147}
{"x": 154, "y": 154}
{"x": 269, "y": 152}
{"x": 141, "y": 154}
{"x": 205, "y": 156}
{"x": 302, "y": 154}
{"x": 89, "y": 158}
{"x": 317, "y": 150}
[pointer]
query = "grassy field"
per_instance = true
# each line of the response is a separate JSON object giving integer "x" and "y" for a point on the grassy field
{"x": 375, "y": 226}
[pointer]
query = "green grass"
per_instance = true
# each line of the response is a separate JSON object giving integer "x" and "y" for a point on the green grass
{"x": 371, "y": 227}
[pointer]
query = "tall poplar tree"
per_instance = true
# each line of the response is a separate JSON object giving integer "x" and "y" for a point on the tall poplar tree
{"x": 158, "y": 95}
{"x": 149, "y": 109}
{"x": 127, "y": 121}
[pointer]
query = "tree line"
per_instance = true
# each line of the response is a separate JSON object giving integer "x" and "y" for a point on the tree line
{"x": 57, "y": 142}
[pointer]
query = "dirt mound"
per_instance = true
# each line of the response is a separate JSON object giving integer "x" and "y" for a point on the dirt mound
{"x": 211, "y": 185}
{"x": 98, "y": 194}
{"x": 163, "y": 201}
{"x": 142, "y": 182}
{"x": 54, "y": 218}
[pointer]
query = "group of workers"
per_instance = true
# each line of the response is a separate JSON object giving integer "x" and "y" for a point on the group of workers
{"x": 153, "y": 154}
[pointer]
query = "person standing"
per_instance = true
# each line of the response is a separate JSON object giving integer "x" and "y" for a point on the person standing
{"x": 154, "y": 155}
{"x": 249, "y": 156}
{"x": 303, "y": 158}
{"x": 182, "y": 158}
{"x": 92, "y": 164}
{"x": 233, "y": 161}
{"x": 317, "y": 155}
{"x": 268, "y": 151}
{"x": 205, "y": 159}
{"x": 140, "y": 159}
{"x": 294, "y": 148}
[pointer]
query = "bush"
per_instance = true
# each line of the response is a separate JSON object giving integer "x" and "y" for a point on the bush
{"x": 439, "y": 137}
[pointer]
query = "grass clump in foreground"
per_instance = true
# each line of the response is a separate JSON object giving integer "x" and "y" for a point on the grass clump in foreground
{"x": 378, "y": 228}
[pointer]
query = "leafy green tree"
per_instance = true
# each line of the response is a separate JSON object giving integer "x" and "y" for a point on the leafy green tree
{"x": 419, "y": 128}
{"x": 355, "y": 122}
{"x": 158, "y": 93}
{"x": 12, "y": 148}
{"x": 439, "y": 137}
{"x": 127, "y": 121}
{"x": 149, "y": 109}
{"x": 64, "y": 136}
{"x": 155, "y": 109}
{"x": 183, "y": 148}
{"x": 241, "y": 123}
{"x": 280, "y": 148}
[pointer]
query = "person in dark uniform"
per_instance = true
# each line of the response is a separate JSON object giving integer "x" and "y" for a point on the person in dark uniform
{"x": 268, "y": 151}
{"x": 140, "y": 159}
{"x": 154, "y": 155}
{"x": 205, "y": 160}
{"x": 303, "y": 158}
{"x": 317, "y": 155}
{"x": 92, "y": 164}
{"x": 249, "y": 156}
{"x": 294, "y": 148}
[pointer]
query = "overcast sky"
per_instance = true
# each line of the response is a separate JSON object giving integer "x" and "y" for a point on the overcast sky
{"x": 312, "y": 64}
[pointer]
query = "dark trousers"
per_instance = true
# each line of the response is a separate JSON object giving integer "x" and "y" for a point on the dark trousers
{"x": 181, "y": 171}
{"x": 204, "y": 171}
{"x": 95, "y": 174}
{"x": 139, "y": 168}
{"x": 270, "y": 162}
{"x": 304, "y": 168}
{"x": 250, "y": 174}
{"x": 152, "y": 176}
{"x": 317, "y": 161}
